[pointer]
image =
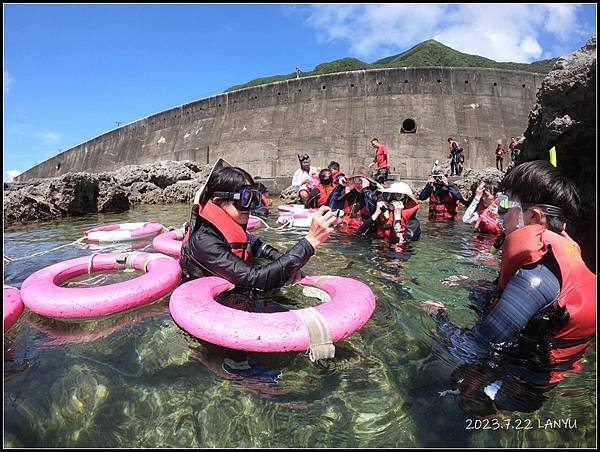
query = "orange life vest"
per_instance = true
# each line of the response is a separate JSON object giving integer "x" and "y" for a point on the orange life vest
{"x": 488, "y": 220}
{"x": 324, "y": 193}
{"x": 445, "y": 209}
{"x": 528, "y": 245}
{"x": 233, "y": 233}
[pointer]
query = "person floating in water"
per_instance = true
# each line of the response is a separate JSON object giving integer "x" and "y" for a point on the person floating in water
{"x": 544, "y": 317}
{"x": 356, "y": 198}
{"x": 483, "y": 210}
{"x": 217, "y": 244}
{"x": 443, "y": 198}
{"x": 395, "y": 218}
{"x": 303, "y": 176}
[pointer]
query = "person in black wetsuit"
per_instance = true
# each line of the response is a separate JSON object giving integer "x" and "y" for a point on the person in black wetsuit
{"x": 217, "y": 244}
{"x": 542, "y": 316}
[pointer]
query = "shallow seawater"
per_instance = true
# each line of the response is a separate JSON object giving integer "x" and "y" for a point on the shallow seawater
{"x": 136, "y": 379}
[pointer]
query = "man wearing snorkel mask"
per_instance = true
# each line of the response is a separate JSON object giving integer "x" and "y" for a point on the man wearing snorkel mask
{"x": 443, "y": 197}
{"x": 545, "y": 315}
{"x": 395, "y": 218}
{"x": 356, "y": 197}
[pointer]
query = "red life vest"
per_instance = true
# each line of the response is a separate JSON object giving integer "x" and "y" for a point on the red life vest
{"x": 324, "y": 193}
{"x": 488, "y": 220}
{"x": 528, "y": 245}
{"x": 386, "y": 230}
{"x": 445, "y": 209}
{"x": 354, "y": 215}
{"x": 264, "y": 200}
{"x": 233, "y": 233}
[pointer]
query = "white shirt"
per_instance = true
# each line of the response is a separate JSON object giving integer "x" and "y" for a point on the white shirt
{"x": 300, "y": 176}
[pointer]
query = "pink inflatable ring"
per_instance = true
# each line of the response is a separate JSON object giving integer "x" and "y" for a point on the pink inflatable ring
{"x": 125, "y": 232}
{"x": 194, "y": 309}
{"x": 170, "y": 242}
{"x": 13, "y": 306}
{"x": 42, "y": 294}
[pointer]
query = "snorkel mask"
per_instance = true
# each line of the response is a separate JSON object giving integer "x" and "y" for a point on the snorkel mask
{"x": 505, "y": 204}
{"x": 247, "y": 198}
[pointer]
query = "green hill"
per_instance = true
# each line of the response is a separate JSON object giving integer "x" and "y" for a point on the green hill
{"x": 428, "y": 53}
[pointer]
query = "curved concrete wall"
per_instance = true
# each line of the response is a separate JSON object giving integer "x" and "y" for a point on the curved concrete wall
{"x": 330, "y": 117}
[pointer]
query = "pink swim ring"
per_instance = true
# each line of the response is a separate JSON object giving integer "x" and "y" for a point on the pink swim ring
{"x": 193, "y": 307}
{"x": 42, "y": 294}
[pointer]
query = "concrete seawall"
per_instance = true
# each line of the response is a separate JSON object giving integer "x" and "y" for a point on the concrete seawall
{"x": 332, "y": 117}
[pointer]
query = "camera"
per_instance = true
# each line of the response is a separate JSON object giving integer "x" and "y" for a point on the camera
{"x": 437, "y": 177}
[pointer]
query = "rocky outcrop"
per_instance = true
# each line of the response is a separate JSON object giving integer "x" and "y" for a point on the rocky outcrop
{"x": 82, "y": 193}
{"x": 565, "y": 117}
{"x": 289, "y": 195}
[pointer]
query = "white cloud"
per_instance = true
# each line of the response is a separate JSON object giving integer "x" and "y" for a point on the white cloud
{"x": 502, "y": 32}
{"x": 11, "y": 174}
{"x": 562, "y": 19}
{"x": 8, "y": 82}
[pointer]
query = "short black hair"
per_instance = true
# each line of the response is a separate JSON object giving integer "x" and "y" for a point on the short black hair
{"x": 333, "y": 165}
{"x": 539, "y": 182}
{"x": 228, "y": 179}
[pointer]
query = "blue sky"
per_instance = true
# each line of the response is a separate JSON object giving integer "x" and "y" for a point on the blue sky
{"x": 72, "y": 71}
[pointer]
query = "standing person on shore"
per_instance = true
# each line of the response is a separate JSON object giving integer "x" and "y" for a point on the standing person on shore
{"x": 455, "y": 153}
{"x": 382, "y": 158}
{"x": 514, "y": 149}
{"x": 500, "y": 151}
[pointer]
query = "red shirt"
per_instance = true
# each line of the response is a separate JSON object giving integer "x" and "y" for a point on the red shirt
{"x": 382, "y": 156}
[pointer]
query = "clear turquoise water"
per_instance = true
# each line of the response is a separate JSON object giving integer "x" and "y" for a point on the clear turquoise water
{"x": 137, "y": 380}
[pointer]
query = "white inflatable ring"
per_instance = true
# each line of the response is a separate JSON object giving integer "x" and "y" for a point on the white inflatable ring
{"x": 42, "y": 294}
{"x": 194, "y": 309}
{"x": 123, "y": 232}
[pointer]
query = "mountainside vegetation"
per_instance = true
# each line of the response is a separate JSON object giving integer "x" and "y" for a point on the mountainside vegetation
{"x": 428, "y": 53}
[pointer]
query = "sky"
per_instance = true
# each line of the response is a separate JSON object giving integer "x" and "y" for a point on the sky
{"x": 73, "y": 72}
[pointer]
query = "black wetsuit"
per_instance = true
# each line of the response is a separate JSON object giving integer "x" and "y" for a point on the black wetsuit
{"x": 207, "y": 253}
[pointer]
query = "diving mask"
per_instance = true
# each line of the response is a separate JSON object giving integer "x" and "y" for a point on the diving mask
{"x": 246, "y": 199}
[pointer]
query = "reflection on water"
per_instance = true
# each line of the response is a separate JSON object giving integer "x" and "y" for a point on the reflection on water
{"x": 136, "y": 379}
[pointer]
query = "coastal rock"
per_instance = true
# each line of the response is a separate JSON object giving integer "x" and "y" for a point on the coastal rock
{"x": 82, "y": 193}
{"x": 289, "y": 195}
{"x": 45, "y": 199}
{"x": 565, "y": 117}
{"x": 471, "y": 178}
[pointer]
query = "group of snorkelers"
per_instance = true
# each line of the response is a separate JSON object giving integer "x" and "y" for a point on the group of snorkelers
{"x": 540, "y": 312}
